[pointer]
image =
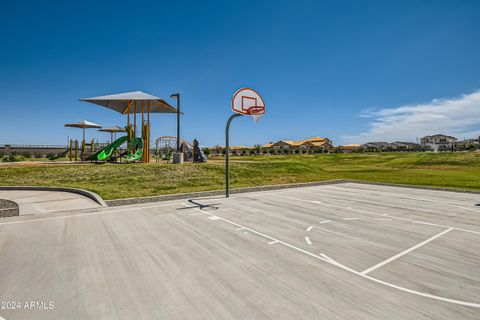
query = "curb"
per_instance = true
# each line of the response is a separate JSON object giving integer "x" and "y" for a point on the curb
{"x": 92, "y": 195}
{"x": 177, "y": 196}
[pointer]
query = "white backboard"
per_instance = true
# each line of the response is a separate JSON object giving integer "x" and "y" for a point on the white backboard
{"x": 246, "y": 98}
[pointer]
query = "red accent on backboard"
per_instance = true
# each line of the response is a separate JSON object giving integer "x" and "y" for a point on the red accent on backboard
{"x": 245, "y": 108}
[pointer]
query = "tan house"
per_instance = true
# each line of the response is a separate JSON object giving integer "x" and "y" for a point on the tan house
{"x": 351, "y": 147}
{"x": 309, "y": 144}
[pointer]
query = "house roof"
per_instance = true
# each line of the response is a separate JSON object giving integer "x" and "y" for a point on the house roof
{"x": 378, "y": 144}
{"x": 353, "y": 145}
{"x": 405, "y": 143}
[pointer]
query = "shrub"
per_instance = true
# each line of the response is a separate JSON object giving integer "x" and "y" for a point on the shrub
{"x": 206, "y": 151}
{"x": 52, "y": 156}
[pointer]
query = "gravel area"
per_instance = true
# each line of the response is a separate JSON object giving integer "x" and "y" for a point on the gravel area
{"x": 8, "y": 208}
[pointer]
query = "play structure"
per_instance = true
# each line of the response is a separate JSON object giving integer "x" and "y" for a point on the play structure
{"x": 166, "y": 146}
{"x": 74, "y": 145}
{"x": 136, "y": 143}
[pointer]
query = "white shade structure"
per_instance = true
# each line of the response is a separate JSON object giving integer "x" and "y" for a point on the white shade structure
{"x": 84, "y": 124}
{"x": 113, "y": 130}
{"x": 122, "y": 102}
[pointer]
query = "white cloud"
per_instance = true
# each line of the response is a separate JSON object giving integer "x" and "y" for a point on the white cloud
{"x": 459, "y": 117}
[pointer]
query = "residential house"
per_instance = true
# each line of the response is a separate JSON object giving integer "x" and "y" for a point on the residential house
{"x": 405, "y": 146}
{"x": 348, "y": 148}
{"x": 308, "y": 144}
{"x": 439, "y": 142}
{"x": 377, "y": 146}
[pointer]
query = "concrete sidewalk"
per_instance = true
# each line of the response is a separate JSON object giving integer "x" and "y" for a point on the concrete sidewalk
{"x": 38, "y": 202}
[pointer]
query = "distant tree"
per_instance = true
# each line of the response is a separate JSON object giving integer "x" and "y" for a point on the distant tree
{"x": 257, "y": 148}
{"x": 206, "y": 151}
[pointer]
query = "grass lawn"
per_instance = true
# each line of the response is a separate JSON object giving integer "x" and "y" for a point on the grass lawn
{"x": 113, "y": 181}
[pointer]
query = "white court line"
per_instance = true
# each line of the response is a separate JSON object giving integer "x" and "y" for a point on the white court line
{"x": 386, "y": 215}
{"x": 395, "y": 257}
{"x": 324, "y": 221}
{"x": 374, "y": 192}
{"x": 329, "y": 260}
{"x": 349, "y": 218}
{"x": 273, "y": 242}
{"x": 382, "y": 219}
{"x": 308, "y": 241}
{"x": 310, "y": 228}
{"x": 238, "y": 229}
{"x": 213, "y": 218}
{"x": 86, "y": 214}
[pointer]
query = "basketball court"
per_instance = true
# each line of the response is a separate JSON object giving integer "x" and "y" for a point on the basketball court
{"x": 342, "y": 251}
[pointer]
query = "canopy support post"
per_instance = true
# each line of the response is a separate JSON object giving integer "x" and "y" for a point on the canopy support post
{"x": 135, "y": 118}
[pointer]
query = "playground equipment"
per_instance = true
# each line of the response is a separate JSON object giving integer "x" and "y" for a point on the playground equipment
{"x": 107, "y": 152}
{"x": 82, "y": 125}
{"x": 167, "y": 145}
{"x": 131, "y": 103}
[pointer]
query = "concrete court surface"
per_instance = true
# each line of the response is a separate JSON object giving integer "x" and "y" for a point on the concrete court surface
{"x": 35, "y": 202}
{"x": 345, "y": 251}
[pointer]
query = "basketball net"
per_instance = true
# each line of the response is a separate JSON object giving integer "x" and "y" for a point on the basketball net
{"x": 256, "y": 113}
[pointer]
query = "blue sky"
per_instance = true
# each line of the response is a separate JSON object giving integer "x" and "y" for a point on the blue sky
{"x": 350, "y": 70}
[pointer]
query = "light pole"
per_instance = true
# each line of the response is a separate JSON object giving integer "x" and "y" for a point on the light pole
{"x": 177, "y": 96}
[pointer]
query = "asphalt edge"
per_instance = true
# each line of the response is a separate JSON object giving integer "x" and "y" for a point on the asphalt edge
{"x": 89, "y": 194}
{"x": 177, "y": 196}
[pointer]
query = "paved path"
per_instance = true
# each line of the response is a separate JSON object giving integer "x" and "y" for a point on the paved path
{"x": 344, "y": 251}
{"x": 36, "y": 202}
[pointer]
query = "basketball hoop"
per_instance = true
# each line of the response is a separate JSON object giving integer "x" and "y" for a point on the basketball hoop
{"x": 248, "y": 102}
{"x": 256, "y": 112}
{"x": 245, "y": 102}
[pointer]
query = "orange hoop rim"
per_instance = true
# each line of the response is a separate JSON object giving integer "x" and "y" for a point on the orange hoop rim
{"x": 255, "y": 110}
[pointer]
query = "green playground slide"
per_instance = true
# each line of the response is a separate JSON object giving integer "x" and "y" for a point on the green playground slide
{"x": 107, "y": 152}
{"x": 137, "y": 155}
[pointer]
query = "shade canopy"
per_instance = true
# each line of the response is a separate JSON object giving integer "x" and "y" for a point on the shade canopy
{"x": 113, "y": 129}
{"x": 123, "y": 102}
{"x": 83, "y": 124}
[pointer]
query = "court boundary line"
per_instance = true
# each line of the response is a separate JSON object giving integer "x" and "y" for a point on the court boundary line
{"x": 333, "y": 262}
{"x": 404, "y": 252}
{"x": 347, "y": 188}
{"x": 384, "y": 215}
{"x": 67, "y": 216}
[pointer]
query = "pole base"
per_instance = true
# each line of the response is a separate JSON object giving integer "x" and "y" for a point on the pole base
{"x": 178, "y": 157}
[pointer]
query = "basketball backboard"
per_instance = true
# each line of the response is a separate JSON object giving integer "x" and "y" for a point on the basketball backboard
{"x": 247, "y": 101}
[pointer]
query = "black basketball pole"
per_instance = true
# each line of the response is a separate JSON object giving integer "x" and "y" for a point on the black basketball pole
{"x": 177, "y": 95}
{"x": 227, "y": 155}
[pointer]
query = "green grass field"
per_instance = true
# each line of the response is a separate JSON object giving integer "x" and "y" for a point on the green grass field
{"x": 113, "y": 181}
